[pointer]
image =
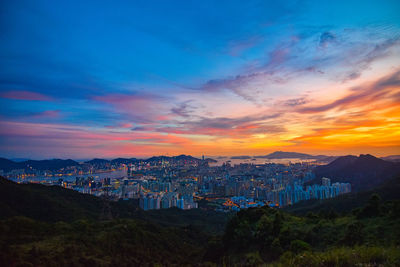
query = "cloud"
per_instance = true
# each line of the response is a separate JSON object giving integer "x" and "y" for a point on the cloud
{"x": 64, "y": 139}
{"x": 143, "y": 129}
{"x": 123, "y": 125}
{"x": 135, "y": 107}
{"x": 359, "y": 96}
{"x": 25, "y": 95}
{"x": 240, "y": 127}
{"x": 238, "y": 47}
{"x": 184, "y": 109}
{"x": 46, "y": 114}
{"x": 296, "y": 101}
{"x": 301, "y": 59}
{"x": 326, "y": 38}
{"x": 246, "y": 86}
{"x": 367, "y": 54}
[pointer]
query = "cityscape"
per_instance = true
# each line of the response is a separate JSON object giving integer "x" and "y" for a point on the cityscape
{"x": 183, "y": 181}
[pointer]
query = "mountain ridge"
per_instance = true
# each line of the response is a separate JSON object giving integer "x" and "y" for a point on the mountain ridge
{"x": 363, "y": 172}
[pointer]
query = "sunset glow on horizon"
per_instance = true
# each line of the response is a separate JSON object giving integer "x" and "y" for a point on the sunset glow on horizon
{"x": 84, "y": 80}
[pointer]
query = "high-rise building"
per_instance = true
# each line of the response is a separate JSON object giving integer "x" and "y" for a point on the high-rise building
{"x": 326, "y": 181}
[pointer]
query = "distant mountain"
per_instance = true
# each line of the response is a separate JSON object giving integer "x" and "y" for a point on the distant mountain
{"x": 241, "y": 157}
{"x": 98, "y": 161}
{"x": 295, "y": 155}
{"x": 158, "y": 158}
{"x": 56, "y": 164}
{"x": 19, "y": 159}
{"x": 8, "y": 165}
{"x": 364, "y": 172}
{"x": 42, "y": 165}
{"x": 395, "y": 158}
{"x": 51, "y": 164}
{"x": 185, "y": 157}
{"x": 288, "y": 155}
{"x": 326, "y": 159}
{"x": 174, "y": 158}
{"x": 123, "y": 161}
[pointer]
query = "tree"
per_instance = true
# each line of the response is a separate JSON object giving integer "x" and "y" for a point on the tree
{"x": 297, "y": 246}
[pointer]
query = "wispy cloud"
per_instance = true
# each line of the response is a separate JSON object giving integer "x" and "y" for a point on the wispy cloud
{"x": 25, "y": 95}
{"x": 383, "y": 88}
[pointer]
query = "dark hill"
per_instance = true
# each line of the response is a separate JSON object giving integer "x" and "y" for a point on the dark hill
{"x": 241, "y": 157}
{"x": 52, "y": 226}
{"x": 98, "y": 161}
{"x": 8, "y": 165}
{"x": 42, "y": 165}
{"x": 46, "y": 203}
{"x": 174, "y": 158}
{"x": 364, "y": 172}
{"x": 185, "y": 157}
{"x": 285, "y": 155}
{"x": 54, "y": 203}
{"x": 157, "y": 158}
{"x": 123, "y": 161}
{"x": 51, "y": 164}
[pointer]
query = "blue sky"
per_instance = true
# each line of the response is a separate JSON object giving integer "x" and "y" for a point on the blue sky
{"x": 171, "y": 67}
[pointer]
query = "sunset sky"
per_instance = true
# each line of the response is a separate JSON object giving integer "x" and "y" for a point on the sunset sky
{"x": 82, "y": 79}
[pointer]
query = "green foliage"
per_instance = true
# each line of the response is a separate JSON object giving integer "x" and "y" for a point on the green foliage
{"x": 274, "y": 234}
{"x": 354, "y": 234}
{"x": 81, "y": 243}
{"x": 373, "y": 207}
{"x": 343, "y": 256}
{"x": 299, "y": 246}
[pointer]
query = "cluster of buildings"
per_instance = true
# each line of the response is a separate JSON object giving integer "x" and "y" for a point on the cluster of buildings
{"x": 165, "y": 200}
{"x": 289, "y": 195}
{"x": 188, "y": 184}
{"x": 292, "y": 194}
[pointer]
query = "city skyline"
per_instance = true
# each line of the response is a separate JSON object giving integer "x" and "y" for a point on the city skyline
{"x": 87, "y": 80}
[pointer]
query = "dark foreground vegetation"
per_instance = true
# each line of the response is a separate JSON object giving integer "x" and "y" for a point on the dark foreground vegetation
{"x": 51, "y": 226}
{"x": 370, "y": 235}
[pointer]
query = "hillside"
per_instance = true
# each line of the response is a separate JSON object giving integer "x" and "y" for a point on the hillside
{"x": 49, "y": 225}
{"x": 364, "y": 172}
{"x": 54, "y": 203}
{"x": 123, "y": 242}
{"x": 259, "y": 236}
{"x": 46, "y": 203}
{"x": 286, "y": 155}
{"x": 173, "y": 158}
{"x": 42, "y": 165}
{"x": 8, "y": 165}
{"x": 124, "y": 160}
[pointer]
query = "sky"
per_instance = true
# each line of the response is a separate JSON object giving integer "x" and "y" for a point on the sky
{"x": 82, "y": 79}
